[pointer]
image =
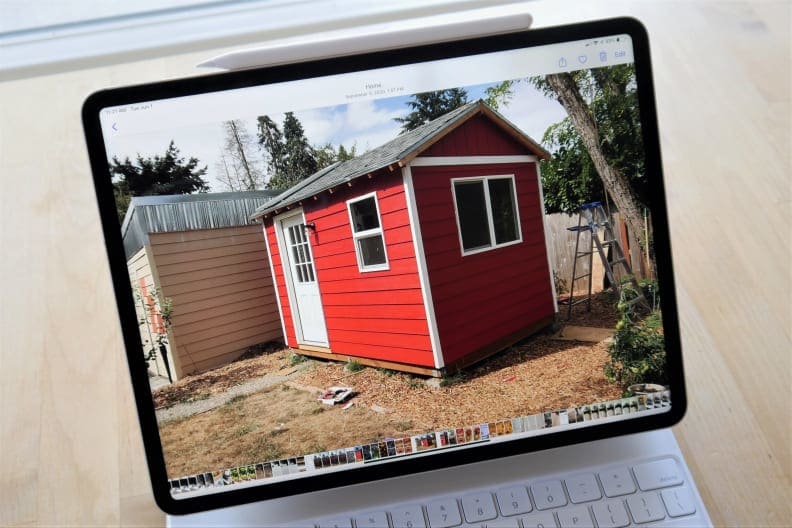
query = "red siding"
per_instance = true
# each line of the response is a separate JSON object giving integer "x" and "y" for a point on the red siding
{"x": 377, "y": 315}
{"x": 477, "y": 137}
{"x": 482, "y": 297}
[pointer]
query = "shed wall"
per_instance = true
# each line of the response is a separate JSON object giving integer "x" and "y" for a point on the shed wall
{"x": 221, "y": 290}
{"x": 478, "y": 136}
{"x": 376, "y": 315}
{"x": 483, "y": 297}
{"x": 144, "y": 292}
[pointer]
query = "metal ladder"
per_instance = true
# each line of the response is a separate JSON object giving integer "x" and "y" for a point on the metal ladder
{"x": 591, "y": 219}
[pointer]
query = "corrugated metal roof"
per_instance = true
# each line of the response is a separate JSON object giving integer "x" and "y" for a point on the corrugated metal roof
{"x": 392, "y": 152}
{"x": 186, "y": 212}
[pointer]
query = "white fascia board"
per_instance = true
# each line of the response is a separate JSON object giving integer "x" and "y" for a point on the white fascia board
{"x": 441, "y": 161}
{"x": 549, "y": 248}
{"x": 133, "y": 37}
{"x": 423, "y": 272}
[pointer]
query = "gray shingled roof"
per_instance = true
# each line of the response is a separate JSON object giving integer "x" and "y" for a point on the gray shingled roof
{"x": 387, "y": 154}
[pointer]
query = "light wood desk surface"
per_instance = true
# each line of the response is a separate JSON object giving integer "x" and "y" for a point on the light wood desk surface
{"x": 70, "y": 450}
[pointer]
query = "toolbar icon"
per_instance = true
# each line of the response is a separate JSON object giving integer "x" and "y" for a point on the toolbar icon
{"x": 562, "y": 62}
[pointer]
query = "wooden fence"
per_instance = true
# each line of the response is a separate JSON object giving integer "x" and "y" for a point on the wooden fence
{"x": 562, "y": 248}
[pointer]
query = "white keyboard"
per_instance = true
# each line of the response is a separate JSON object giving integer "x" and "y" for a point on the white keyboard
{"x": 651, "y": 492}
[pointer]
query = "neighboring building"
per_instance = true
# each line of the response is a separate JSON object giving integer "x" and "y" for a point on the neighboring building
{"x": 200, "y": 259}
{"x": 425, "y": 254}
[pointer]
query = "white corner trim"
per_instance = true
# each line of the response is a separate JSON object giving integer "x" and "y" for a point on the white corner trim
{"x": 423, "y": 272}
{"x": 439, "y": 161}
{"x": 548, "y": 246}
{"x": 274, "y": 279}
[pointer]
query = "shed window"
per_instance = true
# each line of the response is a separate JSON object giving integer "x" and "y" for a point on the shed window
{"x": 367, "y": 233}
{"x": 486, "y": 210}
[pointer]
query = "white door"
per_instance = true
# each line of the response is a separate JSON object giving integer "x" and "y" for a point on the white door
{"x": 306, "y": 302}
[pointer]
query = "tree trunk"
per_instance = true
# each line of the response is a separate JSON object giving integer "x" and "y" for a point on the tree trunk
{"x": 617, "y": 186}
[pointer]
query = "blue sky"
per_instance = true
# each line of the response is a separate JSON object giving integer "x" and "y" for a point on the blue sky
{"x": 365, "y": 124}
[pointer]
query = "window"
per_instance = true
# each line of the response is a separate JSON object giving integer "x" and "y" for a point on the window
{"x": 486, "y": 210}
{"x": 367, "y": 233}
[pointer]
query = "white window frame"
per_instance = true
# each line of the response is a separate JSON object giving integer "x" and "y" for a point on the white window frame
{"x": 488, "y": 206}
{"x": 367, "y": 233}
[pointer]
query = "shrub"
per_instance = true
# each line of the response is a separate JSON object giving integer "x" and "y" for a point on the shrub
{"x": 296, "y": 359}
{"x": 353, "y": 366}
{"x": 637, "y": 354}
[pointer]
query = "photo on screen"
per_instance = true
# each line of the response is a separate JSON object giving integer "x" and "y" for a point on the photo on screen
{"x": 393, "y": 275}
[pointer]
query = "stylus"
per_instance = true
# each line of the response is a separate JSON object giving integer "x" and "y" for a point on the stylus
{"x": 378, "y": 37}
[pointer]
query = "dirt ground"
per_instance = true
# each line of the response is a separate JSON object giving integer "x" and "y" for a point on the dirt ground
{"x": 287, "y": 420}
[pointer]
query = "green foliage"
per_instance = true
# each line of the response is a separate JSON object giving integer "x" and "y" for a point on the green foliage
{"x": 500, "y": 94}
{"x": 327, "y": 154}
{"x": 290, "y": 157}
{"x": 415, "y": 383}
{"x": 353, "y": 366}
{"x": 166, "y": 174}
{"x": 637, "y": 354}
{"x": 431, "y": 105}
{"x": 569, "y": 177}
{"x": 448, "y": 381}
{"x": 296, "y": 359}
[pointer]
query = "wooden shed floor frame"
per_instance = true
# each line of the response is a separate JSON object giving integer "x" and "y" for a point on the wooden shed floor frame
{"x": 450, "y": 369}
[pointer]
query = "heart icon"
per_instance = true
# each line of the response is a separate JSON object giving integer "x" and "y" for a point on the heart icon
{"x": 582, "y": 59}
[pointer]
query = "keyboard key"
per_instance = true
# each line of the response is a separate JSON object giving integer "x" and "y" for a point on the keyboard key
{"x": 657, "y": 474}
{"x": 539, "y": 520}
{"x": 336, "y": 523}
{"x": 443, "y": 513}
{"x": 679, "y": 502}
{"x": 410, "y": 516}
{"x": 514, "y": 500}
{"x": 372, "y": 520}
{"x": 583, "y": 488}
{"x": 478, "y": 507}
{"x": 617, "y": 482}
{"x": 646, "y": 507}
{"x": 575, "y": 517}
{"x": 548, "y": 494}
{"x": 610, "y": 514}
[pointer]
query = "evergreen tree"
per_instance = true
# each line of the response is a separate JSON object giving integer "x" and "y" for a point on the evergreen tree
{"x": 166, "y": 174}
{"x": 431, "y": 105}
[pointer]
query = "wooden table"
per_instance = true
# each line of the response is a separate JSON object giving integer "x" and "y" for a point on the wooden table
{"x": 70, "y": 448}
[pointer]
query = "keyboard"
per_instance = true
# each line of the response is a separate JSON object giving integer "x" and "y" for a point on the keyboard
{"x": 652, "y": 492}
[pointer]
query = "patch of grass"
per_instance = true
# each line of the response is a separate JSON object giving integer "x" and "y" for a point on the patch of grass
{"x": 318, "y": 410}
{"x": 353, "y": 366}
{"x": 415, "y": 383}
{"x": 448, "y": 381}
{"x": 244, "y": 430}
{"x": 295, "y": 359}
{"x": 387, "y": 372}
{"x": 263, "y": 449}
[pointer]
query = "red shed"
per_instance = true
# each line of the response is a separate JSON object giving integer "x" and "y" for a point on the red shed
{"x": 425, "y": 254}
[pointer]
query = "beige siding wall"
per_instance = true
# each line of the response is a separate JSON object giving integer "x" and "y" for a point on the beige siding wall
{"x": 220, "y": 287}
{"x": 140, "y": 274}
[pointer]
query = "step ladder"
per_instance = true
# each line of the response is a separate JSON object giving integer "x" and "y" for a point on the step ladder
{"x": 593, "y": 220}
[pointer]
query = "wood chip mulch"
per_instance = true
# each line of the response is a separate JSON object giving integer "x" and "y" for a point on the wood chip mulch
{"x": 537, "y": 376}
